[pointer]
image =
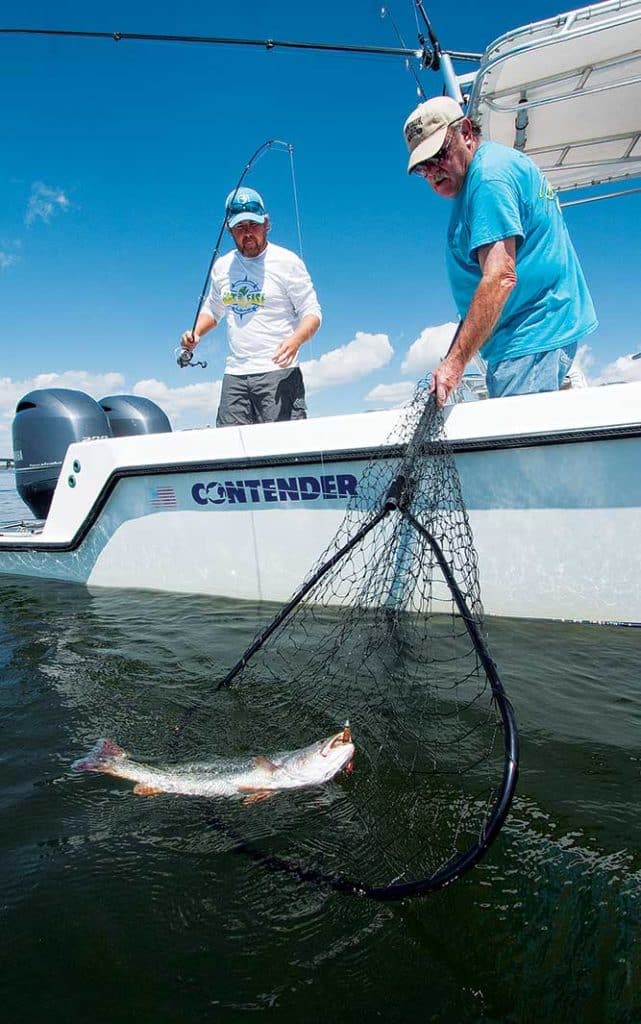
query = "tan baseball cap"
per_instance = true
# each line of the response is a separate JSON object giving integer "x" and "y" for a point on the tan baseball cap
{"x": 426, "y": 127}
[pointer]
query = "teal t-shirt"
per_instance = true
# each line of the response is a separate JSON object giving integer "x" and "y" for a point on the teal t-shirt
{"x": 505, "y": 195}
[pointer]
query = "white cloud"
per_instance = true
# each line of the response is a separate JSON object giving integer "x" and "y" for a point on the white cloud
{"x": 188, "y": 406}
{"x": 7, "y": 259}
{"x": 625, "y": 368}
{"x": 391, "y": 395}
{"x": 364, "y": 354}
{"x": 44, "y": 201}
{"x": 428, "y": 350}
{"x": 11, "y": 391}
{"x": 193, "y": 405}
{"x": 95, "y": 384}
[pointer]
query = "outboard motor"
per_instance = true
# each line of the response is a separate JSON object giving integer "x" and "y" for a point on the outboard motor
{"x": 133, "y": 414}
{"x": 45, "y": 424}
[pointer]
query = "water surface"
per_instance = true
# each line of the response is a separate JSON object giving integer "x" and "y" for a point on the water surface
{"x": 117, "y": 908}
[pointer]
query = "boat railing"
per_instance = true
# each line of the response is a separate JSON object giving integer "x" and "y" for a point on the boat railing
{"x": 472, "y": 386}
{"x": 471, "y": 389}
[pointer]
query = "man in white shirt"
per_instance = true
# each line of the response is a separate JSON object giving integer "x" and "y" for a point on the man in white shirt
{"x": 268, "y": 298}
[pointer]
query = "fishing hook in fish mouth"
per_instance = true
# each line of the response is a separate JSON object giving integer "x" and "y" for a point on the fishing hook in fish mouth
{"x": 186, "y": 358}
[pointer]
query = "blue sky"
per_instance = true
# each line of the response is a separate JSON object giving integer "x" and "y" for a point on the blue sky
{"x": 117, "y": 158}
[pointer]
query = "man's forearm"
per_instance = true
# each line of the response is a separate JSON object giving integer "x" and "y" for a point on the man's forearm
{"x": 498, "y": 268}
{"x": 306, "y": 329}
{"x": 481, "y": 318}
{"x": 205, "y": 323}
{"x": 288, "y": 348}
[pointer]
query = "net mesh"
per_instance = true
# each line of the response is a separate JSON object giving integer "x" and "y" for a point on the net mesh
{"x": 387, "y": 633}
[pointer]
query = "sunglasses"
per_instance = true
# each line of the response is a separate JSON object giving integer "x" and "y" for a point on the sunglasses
{"x": 252, "y": 206}
{"x": 438, "y": 158}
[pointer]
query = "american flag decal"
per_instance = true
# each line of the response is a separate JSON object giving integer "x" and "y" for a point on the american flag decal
{"x": 163, "y": 497}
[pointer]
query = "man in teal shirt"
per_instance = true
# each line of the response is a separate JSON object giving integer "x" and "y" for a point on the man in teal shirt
{"x": 514, "y": 274}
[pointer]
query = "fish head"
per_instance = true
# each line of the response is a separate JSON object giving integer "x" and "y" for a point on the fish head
{"x": 336, "y": 752}
{"x": 321, "y": 761}
{"x": 337, "y": 742}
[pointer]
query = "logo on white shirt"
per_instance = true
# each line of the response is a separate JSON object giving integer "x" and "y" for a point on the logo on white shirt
{"x": 244, "y": 297}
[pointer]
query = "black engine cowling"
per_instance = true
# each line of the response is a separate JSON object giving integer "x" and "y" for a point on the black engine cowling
{"x": 45, "y": 424}
{"x": 133, "y": 414}
{"x": 48, "y": 421}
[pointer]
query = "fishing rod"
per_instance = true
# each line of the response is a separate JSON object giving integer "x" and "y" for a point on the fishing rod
{"x": 267, "y": 44}
{"x": 432, "y": 56}
{"x": 185, "y": 356}
{"x": 437, "y": 59}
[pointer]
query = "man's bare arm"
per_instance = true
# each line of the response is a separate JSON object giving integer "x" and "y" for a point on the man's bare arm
{"x": 498, "y": 267}
{"x": 286, "y": 351}
{"x": 204, "y": 323}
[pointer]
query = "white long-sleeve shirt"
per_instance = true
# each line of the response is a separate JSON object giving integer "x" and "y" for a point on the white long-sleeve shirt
{"x": 263, "y": 298}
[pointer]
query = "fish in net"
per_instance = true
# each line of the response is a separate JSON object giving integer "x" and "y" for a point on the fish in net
{"x": 386, "y": 632}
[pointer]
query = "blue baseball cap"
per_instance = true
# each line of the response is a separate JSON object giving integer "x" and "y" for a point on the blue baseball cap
{"x": 244, "y": 204}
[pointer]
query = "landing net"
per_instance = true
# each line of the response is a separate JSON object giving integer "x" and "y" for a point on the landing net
{"x": 386, "y": 632}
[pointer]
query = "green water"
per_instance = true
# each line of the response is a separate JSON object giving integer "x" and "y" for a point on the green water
{"x": 115, "y": 908}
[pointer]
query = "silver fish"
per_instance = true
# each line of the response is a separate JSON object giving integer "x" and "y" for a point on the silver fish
{"x": 254, "y": 779}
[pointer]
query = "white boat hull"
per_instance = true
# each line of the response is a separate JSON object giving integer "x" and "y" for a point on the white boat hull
{"x": 551, "y": 484}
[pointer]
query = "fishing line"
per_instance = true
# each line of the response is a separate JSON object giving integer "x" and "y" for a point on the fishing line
{"x": 386, "y": 13}
{"x": 296, "y": 209}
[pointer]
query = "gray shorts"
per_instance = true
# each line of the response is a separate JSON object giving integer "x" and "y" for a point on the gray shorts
{"x": 262, "y": 397}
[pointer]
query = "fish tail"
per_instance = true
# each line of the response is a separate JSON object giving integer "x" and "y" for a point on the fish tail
{"x": 100, "y": 758}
